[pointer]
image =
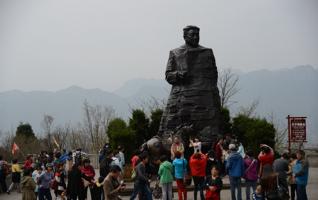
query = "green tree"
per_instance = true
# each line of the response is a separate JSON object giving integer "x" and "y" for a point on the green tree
{"x": 25, "y": 130}
{"x": 253, "y": 131}
{"x": 26, "y": 140}
{"x": 139, "y": 125}
{"x": 119, "y": 134}
{"x": 155, "y": 119}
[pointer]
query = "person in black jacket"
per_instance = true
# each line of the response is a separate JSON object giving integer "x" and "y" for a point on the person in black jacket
{"x": 105, "y": 164}
{"x": 75, "y": 186}
{"x": 141, "y": 180}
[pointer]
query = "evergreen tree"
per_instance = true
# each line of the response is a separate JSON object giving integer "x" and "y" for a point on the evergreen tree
{"x": 119, "y": 134}
{"x": 25, "y": 130}
{"x": 253, "y": 131}
{"x": 138, "y": 125}
{"x": 155, "y": 118}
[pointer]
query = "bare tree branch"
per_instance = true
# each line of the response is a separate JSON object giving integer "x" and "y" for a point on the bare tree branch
{"x": 96, "y": 120}
{"x": 47, "y": 126}
{"x": 227, "y": 84}
{"x": 281, "y": 132}
{"x": 249, "y": 111}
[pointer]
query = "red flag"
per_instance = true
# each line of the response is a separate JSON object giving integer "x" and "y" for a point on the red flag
{"x": 15, "y": 148}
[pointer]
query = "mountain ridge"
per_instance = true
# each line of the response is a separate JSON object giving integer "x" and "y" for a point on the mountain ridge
{"x": 283, "y": 91}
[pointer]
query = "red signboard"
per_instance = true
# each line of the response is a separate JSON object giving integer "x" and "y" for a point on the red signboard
{"x": 297, "y": 129}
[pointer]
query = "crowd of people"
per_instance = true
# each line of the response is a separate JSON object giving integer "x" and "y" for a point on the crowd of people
{"x": 66, "y": 175}
{"x": 264, "y": 176}
{"x": 70, "y": 175}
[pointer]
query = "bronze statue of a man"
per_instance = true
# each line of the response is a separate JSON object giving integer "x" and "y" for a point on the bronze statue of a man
{"x": 194, "y": 99}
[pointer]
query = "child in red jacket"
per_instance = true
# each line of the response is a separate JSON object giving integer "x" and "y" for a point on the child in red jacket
{"x": 198, "y": 163}
{"x": 213, "y": 185}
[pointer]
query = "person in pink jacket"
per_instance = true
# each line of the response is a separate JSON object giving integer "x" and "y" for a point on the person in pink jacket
{"x": 250, "y": 173}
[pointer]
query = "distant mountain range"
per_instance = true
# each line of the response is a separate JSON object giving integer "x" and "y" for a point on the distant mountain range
{"x": 289, "y": 91}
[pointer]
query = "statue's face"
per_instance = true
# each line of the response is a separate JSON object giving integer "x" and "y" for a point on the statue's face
{"x": 192, "y": 37}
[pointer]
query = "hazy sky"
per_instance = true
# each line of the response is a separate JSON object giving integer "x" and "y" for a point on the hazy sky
{"x": 50, "y": 45}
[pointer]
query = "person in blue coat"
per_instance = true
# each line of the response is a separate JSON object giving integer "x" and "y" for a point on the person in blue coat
{"x": 300, "y": 173}
{"x": 235, "y": 169}
{"x": 180, "y": 171}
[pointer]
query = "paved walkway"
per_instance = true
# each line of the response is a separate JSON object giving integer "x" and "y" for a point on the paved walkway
{"x": 312, "y": 190}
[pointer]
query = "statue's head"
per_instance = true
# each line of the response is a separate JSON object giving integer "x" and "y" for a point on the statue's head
{"x": 191, "y": 35}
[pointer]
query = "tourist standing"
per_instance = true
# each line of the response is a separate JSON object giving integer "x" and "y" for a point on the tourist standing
{"x": 112, "y": 187}
{"x": 28, "y": 186}
{"x": 218, "y": 149}
{"x": 225, "y": 156}
{"x": 15, "y": 175}
{"x": 135, "y": 159}
{"x": 291, "y": 179}
{"x": 213, "y": 185}
{"x": 45, "y": 181}
{"x": 211, "y": 162}
{"x": 28, "y": 162}
{"x": 88, "y": 174}
{"x": 280, "y": 166}
{"x": 3, "y": 174}
{"x": 75, "y": 185}
{"x": 177, "y": 146}
{"x": 301, "y": 172}
{"x": 240, "y": 149}
{"x": 196, "y": 144}
{"x": 141, "y": 184}
{"x": 197, "y": 164}
{"x": 35, "y": 175}
{"x": 235, "y": 168}
{"x": 105, "y": 163}
{"x": 250, "y": 173}
{"x": 59, "y": 177}
{"x": 121, "y": 156}
{"x": 266, "y": 159}
{"x": 166, "y": 178}
{"x": 180, "y": 171}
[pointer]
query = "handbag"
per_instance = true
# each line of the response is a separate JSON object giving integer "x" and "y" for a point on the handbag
{"x": 280, "y": 193}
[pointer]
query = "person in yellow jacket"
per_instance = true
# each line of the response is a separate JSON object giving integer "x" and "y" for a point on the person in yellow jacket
{"x": 16, "y": 176}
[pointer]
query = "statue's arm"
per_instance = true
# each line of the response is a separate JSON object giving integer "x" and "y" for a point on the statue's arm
{"x": 171, "y": 71}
